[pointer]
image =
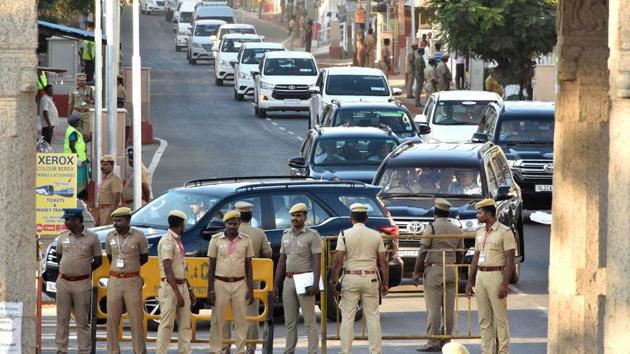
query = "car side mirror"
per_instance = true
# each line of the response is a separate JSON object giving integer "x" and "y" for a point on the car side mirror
{"x": 480, "y": 138}
{"x": 314, "y": 90}
{"x": 503, "y": 193}
{"x": 423, "y": 128}
{"x": 215, "y": 226}
{"x": 396, "y": 92}
{"x": 297, "y": 162}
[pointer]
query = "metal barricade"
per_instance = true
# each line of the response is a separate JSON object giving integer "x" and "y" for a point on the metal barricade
{"x": 328, "y": 257}
{"x": 262, "y": 271}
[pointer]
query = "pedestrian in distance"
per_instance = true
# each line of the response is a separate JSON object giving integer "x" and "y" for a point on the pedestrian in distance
{"x": 300, "y": 252}
{"x": 386, "y": 57}
{"x": 490, "y": 273}
{"x": 460, "y": 70}
{"x": 411, "y": 70}
{"x": 48, "y": 113}
{"x": 88, "y": 54}
{"x": 78, "y": 254}
{"x": 443, "y": 74}
{"x": 75, "y": 144}
{"x": 438, "y": 52}
{"x": 261, "y": 249}
{"x": 108, "y": 192}
{"x": 419, "y": 66}
{"x": 308, "y": 37}
{"x": 230, "y": 281}
{"x": 361, "y": 251}
{"x": 293, "y": 32}
{"x": 127, "y": 250}
{"x": 430, "y": 79}
{"x": 435, "y": 261}
{"x": 370, "y": 49}
{"x": 80, "y": 100}
{"x": 127, "y": 195}
{"x": 175, "y": 293}
{"x": 360, "y": 49}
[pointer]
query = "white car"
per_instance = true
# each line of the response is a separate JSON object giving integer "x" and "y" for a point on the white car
{"x": 453, "y": 116}
{"x": 182, "y": 37}
{"x": 152, "y": 6}
{"x": 201, "y": 39}
{"x": 351, "y": 84}
{"x": 183, "y": 13}
{"x": 283, "y": 81}
{"x": 249, "y": 58}
{"x": 226, "y": 57}
{"x": 231, "y": 28}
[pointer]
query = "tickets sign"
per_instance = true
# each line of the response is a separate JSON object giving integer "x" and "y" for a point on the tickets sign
{"x": 55, "y": 189}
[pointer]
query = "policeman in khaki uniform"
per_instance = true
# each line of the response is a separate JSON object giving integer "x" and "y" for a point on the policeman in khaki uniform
{"x": 262, "y": 249}
{"x": 300, "y": 252}
{"x": 174, "y": 295}
{"x": 359, "y": 249}
{"x": 126, "y": 196}
{"x": 78, "y": 253}
{"x": 490, "y": 273}
{"x": 439, "y": 275}
{"x": 230, "y": 281}
{"x": 127, "y": 250}
{"x": 80, "y": 101}
{"x": 108, "y": 191}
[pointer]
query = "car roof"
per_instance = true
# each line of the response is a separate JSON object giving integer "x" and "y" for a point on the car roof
{"x": 438, "y": 154}
{"x": 237, "y": 25}
{"x": 527, "y": 108}
{"x": 289, "y": 54}
{"x": 226, "y": 186}
{"x": 188, "y": 5}
{"x": 241, "y": 36}
{"x": 353, "y": 70}
{"x": 262, "y": 45}
{"x": 214, "y": 10}
{"x": 354, "y": 132}
{"x": 367, "y": 105}
{"x": 464, "y": 95}
{"x": 209, "y": 22}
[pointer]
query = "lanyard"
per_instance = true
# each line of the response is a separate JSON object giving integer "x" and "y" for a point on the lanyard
{"x": 123, "y": 245}
{"x": 485, "y": 238}
{"x": 179, "y": 244}
{"x": 102, "y": 185}
{"x": 232, "y": 245}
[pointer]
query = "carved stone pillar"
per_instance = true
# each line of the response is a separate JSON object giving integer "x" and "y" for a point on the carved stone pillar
{"x": 18, "y": 40}
{"x": 577, "y": 275}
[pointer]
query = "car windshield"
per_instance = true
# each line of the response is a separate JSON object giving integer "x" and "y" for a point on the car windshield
{"x": 253, "y": 55}
{"x": 290, "y": 67}
{"x": 242, "y": 30}
{"x": 396, "y": 118}
{"x": 233, "y": 45}
{"x": 459, "y": 112}
{"x": 526, "y": 130}
{"x": 202, "y": 30}
{"x": 155, "y": 214}
{"x": 185, "y": 17}
{"x": 357, "y": 151}
{"x": 357, "y": 85}
{"x": 435, "y": 181}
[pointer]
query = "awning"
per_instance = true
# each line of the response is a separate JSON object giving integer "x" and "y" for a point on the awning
{"x": 53, "y": 29}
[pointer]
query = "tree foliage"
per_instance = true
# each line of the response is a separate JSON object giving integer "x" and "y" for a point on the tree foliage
{"x": 63, "y": 12}
{"x": 508, "y": 32}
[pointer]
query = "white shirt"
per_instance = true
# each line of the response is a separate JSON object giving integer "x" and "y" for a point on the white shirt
{"x": 46, "y": 104}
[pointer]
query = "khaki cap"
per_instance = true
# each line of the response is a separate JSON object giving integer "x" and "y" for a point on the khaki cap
{"x": 178, "y": 213}
{"x": 442, "y": 204}
{"x": 123, "y": 211}
{"x": 244, "y": 207}
{"x": 81, "y": 76}
{"x": 298, "y": 208}
{"x": 485, "y": 203}
{"x": 358, "y": 208}
{"x": 232, "y": 214}
{"x": 107, "y": 158}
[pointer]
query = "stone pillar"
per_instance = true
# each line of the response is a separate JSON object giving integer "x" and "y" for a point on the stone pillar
{"x": 18, "y": 40}
{"x": 577, "y": 274}
{"x": 617, "y": 329}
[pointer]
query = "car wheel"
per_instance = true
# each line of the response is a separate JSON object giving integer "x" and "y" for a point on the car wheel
{"x": 193, "y": 61}
{"x": 240, "y": 97}
{"x": 516, "y": 274}
{"x": 176, "y": 48}
{"x": 152, "y": 307}
{"x": 218, "y": 82}
{"x": 332, "y": 306}
{"x": 261, "y": 113}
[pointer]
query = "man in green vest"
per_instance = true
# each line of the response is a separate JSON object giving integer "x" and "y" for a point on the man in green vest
{"x": 88, "y": 54}
{"x": 74, "y": 144}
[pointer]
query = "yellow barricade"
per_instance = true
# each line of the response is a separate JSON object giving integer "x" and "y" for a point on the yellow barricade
{"x": 262, "y": 271}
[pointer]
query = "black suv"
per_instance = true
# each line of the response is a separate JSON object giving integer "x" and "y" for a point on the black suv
{"x": 375, "y": 114}
{"x": 346, "y": 153}
{"x": 413, "y": 175}
{"x": 205, "y": 201}
{"x": 524, "y": 130}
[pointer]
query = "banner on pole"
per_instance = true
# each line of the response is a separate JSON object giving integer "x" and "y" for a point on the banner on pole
{"x": 56, "y": 189}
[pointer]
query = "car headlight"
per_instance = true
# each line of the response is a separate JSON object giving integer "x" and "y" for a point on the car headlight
{"x": 196, "y": 45}
{"x": 224, "y": 63}
{"x": 266, "y": 86}
{"x": 243, "y": 76}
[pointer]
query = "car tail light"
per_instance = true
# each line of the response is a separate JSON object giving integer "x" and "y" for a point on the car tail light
{"x": 391, "y": 230}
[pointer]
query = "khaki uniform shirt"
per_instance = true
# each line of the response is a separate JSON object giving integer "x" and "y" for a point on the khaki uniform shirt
{"x": 362, "y": 246}
{"x": 77, "y": 252}
{"x": 80, "y": 98}
{"x": 443, "y": 75}
{"x": 230, "y": 265}
{"x": 168, "y": 248}
{"x": 129, "y": 248}
{"x": 429, "y": 78}
{"x": 411, "y": 61}
{"x": 260, "y": 243}
{"x": 127, "y": 192}
{"x": 435, "y": 245}
{"x": 111, "y": 184}
{"x": 494, "y": 244}
{"x": 299, "y": 249}
{"x": 420, "y": 65}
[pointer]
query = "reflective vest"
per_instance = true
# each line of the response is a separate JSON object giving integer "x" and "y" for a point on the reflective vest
{"x": 42, "y": 81}
{"x": 79, "y": 146}
{"x": 88, "y": 50}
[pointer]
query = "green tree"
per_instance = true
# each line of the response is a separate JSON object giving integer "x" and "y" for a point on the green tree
{"x": 508, "y": 32}
{"x": 63, "y": 12}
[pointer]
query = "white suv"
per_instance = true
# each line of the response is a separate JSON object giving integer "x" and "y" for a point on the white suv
{"x": 200, "y": 43}
{"x": 282, "y": 82}
{"x": 249, "y": 58}
{"x": 152, "y": 6}
{"x": 351, "y": 84}
{"x": 226, "y": 57}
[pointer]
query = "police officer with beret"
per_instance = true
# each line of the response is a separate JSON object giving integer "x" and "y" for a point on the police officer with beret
{"x": 230, "y": 281}
{"x": 108, "y": 191}
{"x": 361, "y": 251}
{"x": 438, "y": 273}
{"x": 300, "y": 252}
{"x": 78, "y": 253}
{"x": 127, "y": 250}
{"x": 173, "y": 294}
{"x": 490, "y": 273}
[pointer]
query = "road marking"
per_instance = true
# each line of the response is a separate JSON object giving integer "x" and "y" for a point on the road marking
{"x": 300, "y": 138}
{"x": 157, "y": 156}
{"x": 290, "y": 132}
{"x": 274, "y": 123}
{"x": 282, "y": 128}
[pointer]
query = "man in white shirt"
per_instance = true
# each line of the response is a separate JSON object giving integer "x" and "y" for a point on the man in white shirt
{"x": 327, "y": 153}
{"x": 48, "y": 114}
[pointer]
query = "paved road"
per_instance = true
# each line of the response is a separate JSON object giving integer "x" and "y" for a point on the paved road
{"x": 210, "y": 134}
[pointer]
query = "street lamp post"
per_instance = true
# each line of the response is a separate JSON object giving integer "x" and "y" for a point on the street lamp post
{"x": 137, "y": 108}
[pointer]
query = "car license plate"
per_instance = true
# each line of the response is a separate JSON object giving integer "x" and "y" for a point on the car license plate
{"x": 292, "y": 101}
{"x": 408, "y": 253}
{"x": 543, "y": 188}
{"x": 51, "y": 287}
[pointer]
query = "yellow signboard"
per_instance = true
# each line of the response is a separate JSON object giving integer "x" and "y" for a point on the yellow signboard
{"x": 55, "y": 189}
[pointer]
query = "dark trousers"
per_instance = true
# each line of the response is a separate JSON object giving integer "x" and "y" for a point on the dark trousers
{"x": 89, "y": 70}
{"x": 460, "y": 78}
{"x": 47, "y": 133}
{"x": 307, "y": 42}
